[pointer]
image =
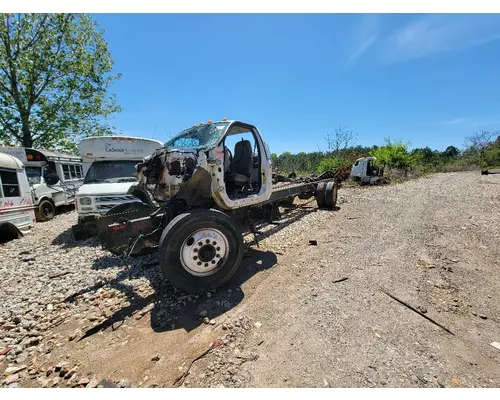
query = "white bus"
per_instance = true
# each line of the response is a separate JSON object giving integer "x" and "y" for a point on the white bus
{"x": 17, "y": 215}
{"x": 38, "y": 164}
{"x": 109, "y": 165}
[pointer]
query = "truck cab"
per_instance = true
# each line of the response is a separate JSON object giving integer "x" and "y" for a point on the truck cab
{"x": 226, "y": 162}
{"x": 109, "y": 165}
{"x": 366, "y": 171}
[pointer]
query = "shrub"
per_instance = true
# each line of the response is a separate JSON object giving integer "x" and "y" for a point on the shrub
{"x": 331, "y": 163}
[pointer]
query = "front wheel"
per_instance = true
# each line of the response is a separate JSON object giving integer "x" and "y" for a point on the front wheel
{"x": 45, "y": 211}
{"x": 200, "y": 250}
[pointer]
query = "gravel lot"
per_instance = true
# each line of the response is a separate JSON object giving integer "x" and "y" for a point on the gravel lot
{"x": 73, "y": 315}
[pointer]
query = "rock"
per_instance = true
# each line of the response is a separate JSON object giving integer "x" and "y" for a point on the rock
{"x": 12, "y": 379}
{"x": 156, "y": 357}
{"x": 482, "y": 316}
{"x": 14, "y": 370}
{"x": 21, "y": 358}
{"x": 32, "y": 342}
{"x": 205, "y": 320}
{"x": 84, "y": 381}
{"x": 212, "y": 322}
{"x": 496, "y": 345}
{"x": 93, "y": 382}
{"x": 203, "y": 313}
{"x": 257, "y": 324}
{"x": 70, "y": 373}
{"x": 50, "y": 307}
{"x": 62, "y": 368}
{"x": 54, "y": 382}
{"x": 124, "y": 384}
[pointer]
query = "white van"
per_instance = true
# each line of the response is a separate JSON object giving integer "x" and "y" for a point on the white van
{"x": 39, "y": 163}
{"x": 109, "y": 166}
{"x": 17, "y": 214}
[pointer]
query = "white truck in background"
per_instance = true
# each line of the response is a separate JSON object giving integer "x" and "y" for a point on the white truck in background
{"x": 109, "y": 163}
{"x": 366, "y": 171}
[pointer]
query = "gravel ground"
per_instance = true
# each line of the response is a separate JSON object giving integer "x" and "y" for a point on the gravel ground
{"x": 72, "y": 315}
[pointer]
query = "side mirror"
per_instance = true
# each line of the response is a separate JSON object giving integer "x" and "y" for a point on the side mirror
{"x": 51, "y": 179}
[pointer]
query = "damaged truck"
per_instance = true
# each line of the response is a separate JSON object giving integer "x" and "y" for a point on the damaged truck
{"x": 197, "y": 197}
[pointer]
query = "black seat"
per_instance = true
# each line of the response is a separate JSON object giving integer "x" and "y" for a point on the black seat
{"x": 241, "y": 167}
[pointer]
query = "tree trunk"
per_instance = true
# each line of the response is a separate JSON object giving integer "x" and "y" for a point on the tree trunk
{"x": 27, "y": 138}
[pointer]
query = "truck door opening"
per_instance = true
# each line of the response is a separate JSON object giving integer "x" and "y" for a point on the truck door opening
{"x": 242, "y": 162}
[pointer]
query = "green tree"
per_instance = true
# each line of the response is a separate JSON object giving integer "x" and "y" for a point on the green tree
{"x": 451, "y": 152}
{"x": 55, "y": 72}
{"x": 393, "y": 155}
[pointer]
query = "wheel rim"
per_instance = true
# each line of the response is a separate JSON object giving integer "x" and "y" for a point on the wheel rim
{"x": 47, "y": 210}
{"x": 204, "y": 252}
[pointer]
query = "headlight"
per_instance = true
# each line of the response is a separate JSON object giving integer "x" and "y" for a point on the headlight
{"x": 85, "y": 201}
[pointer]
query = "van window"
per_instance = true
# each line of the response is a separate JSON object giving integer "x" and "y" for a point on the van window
{"x": 73, "y": 171}
{"x": 67, "y": 176}
{"x": 10, "y": 185}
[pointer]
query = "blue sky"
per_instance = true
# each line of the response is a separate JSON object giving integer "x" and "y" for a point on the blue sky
{"x": 427, "y": 79}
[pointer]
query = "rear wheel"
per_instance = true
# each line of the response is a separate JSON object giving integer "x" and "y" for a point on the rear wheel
{"x": 331, "y": 193}
{"x": 200, "y": 250}
{"x": 45, "y": 211}
{"x": 320, "y": 194}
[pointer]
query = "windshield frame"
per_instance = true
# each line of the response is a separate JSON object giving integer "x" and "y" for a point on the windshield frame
{"x": 118, "y": 179}
{"x": 213, "y": 138}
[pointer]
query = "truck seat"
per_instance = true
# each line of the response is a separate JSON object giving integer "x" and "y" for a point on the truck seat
{"x": 241, "y": 167}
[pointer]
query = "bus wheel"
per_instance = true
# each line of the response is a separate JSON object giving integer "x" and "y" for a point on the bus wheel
{"x": 45, "y": 211}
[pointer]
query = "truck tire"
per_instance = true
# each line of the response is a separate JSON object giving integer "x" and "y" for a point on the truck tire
{"x": 320, "y": 194}
{"x": 45, "y": 211}
{"x": 331, "y": 194}
{"x": 200, "y": 250}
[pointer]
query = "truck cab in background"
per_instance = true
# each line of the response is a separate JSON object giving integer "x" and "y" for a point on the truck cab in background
{"x": 109, "y": 164}
{"x": 38, "y": 164}
{"x": 366, "y": 171}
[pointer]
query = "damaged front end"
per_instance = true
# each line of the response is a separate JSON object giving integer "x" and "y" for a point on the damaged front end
{"x": 170, "y": 181}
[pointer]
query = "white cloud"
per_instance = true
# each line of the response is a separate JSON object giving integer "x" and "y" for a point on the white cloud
{"x": 457, "y": 121}
{"x": 366, "y": 34}
{"x": 441, "y": 33}
{"x": 363, "y": 47}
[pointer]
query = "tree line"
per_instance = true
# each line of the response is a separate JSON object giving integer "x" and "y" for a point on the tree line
{"x": 481, "y": 150}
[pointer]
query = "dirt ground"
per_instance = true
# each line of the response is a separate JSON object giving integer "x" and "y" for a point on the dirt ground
{"x": 301, "y": 314}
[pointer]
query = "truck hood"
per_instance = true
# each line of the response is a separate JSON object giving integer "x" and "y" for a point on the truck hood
{"x": 104, "y": 189}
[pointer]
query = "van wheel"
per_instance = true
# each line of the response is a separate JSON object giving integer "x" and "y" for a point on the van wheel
{"x": 200, "y": 250}
{"x": 45, "y": 211}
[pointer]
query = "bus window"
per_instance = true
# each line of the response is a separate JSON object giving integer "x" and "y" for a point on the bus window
{"x": 67, "y": 176}
{"x": 10, "y": 185}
